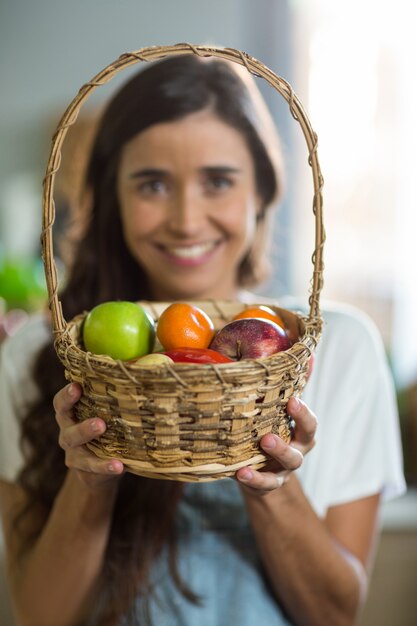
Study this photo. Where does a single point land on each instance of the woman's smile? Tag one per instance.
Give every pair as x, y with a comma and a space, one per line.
190, 255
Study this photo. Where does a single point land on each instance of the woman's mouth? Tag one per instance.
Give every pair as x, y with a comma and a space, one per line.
190, 255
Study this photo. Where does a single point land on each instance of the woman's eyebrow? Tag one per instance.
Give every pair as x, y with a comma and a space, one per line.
206, 169
147, 172
221, 169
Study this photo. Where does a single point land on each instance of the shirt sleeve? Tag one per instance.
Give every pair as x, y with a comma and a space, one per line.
17, 391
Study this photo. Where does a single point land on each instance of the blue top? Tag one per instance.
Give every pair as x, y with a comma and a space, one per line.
218, 560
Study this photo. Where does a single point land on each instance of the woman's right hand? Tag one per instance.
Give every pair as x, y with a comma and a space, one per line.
91, 470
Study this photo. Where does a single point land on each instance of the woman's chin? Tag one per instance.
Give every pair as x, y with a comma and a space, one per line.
211, 280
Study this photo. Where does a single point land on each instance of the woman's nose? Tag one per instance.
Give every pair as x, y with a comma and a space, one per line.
186, 212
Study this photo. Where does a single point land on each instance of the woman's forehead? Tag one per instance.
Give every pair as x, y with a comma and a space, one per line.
201, 134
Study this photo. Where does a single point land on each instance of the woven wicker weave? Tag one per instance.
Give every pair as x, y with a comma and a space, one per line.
183, 421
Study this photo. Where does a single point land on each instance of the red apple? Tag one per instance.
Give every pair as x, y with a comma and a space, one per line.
196, 355
250, 338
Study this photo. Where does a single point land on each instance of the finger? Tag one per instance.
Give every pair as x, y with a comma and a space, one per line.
305, 421
286, 454
261, 481
64, 402
81, 433
83, 460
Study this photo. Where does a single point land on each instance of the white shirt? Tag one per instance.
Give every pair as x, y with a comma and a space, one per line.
358, 446
358, 451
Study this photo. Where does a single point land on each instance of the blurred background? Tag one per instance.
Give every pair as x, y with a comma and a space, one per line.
352, 64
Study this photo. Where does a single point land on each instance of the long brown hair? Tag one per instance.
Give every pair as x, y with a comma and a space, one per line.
103, 269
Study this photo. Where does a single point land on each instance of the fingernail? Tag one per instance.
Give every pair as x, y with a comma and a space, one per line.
246, 475
71, 390
269, 441
97, 426
113, 467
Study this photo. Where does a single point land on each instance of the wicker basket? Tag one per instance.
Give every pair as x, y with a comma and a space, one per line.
182, 421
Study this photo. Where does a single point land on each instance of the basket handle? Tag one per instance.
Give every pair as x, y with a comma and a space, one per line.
154, 53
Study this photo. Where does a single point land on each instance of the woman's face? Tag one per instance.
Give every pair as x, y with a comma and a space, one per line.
189, 203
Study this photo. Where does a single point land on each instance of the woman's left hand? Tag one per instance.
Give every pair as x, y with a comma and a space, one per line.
285, 457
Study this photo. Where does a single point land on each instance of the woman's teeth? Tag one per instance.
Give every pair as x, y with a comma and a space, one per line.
191, 252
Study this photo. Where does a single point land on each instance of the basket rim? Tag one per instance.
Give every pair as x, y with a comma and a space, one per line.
68, 351
154, 53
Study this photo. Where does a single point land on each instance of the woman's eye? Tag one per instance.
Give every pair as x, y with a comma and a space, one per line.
152, 187
218, 183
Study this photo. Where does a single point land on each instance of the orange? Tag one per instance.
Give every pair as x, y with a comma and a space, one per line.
261, 311
183, 325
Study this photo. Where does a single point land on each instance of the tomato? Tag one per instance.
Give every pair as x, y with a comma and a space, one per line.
197, 355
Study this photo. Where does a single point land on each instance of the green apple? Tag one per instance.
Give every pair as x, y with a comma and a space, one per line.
120, 329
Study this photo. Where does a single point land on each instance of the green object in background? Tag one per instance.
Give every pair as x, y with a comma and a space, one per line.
22, 283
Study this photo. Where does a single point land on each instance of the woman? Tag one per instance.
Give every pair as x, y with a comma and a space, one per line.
182, 178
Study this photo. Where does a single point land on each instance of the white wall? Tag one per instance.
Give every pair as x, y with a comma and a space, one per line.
51, 47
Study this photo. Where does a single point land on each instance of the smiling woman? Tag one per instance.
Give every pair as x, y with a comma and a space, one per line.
182, 179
